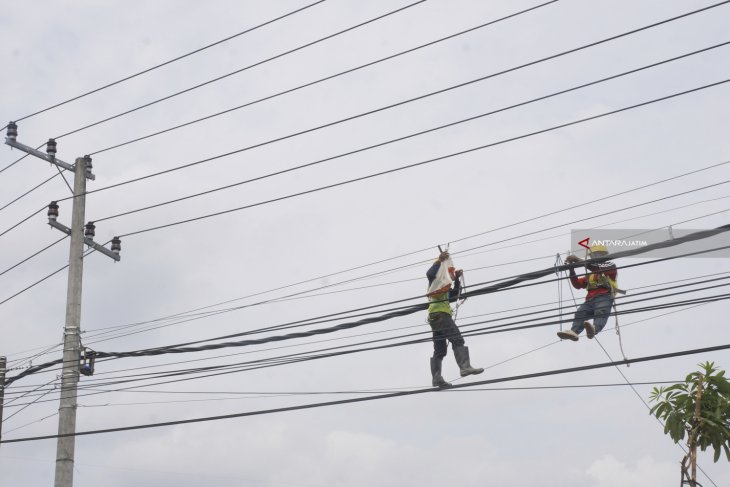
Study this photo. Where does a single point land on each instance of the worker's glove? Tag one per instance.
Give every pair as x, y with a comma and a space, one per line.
459, 273
571, 259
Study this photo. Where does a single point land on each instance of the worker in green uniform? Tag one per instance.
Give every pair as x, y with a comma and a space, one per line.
443, 326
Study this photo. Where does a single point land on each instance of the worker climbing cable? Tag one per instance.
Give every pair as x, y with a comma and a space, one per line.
600, 282
440, 293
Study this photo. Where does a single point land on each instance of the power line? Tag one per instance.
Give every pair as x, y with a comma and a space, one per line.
31, 256
305, 356
381, 144
23, 220
290, 51
178, 348
403, 311
31, 286
265, 395
496, 74
341, 73
127, 78
30, 190
216, 312
382, 396
507, 327
421, 163
411, 326
586, 203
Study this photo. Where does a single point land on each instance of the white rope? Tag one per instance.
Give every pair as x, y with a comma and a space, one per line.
558, 263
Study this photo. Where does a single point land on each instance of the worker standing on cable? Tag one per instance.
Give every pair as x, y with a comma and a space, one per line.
600, 281
440, 294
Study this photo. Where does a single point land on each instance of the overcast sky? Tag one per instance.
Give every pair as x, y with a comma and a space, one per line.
567, 437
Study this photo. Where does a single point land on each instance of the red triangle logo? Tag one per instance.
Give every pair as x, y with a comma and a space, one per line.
585, 242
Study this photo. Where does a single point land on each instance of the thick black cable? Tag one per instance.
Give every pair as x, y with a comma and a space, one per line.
410, 166
422, 306
381, 144
306, 85
532, 63
164, 325
511, 326
635, 322
429, 248
127, 78
412, 326
383, 396
310, 320
309, 355
305, 356
368, 307
200, 85
485, 330
216, 312
404, 311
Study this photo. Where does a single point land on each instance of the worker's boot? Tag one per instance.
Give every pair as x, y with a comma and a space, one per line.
438, 380
462, 359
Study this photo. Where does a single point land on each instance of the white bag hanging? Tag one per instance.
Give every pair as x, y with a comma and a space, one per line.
444, 278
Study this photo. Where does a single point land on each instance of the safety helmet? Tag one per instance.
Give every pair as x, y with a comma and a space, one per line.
598, 249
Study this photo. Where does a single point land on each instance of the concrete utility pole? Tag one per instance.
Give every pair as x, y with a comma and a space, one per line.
80, 234
3, 364
71, 334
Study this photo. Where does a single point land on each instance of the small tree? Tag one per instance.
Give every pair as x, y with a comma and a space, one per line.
699, 407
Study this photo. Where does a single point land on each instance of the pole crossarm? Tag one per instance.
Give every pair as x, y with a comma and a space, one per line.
46, 157
87, 240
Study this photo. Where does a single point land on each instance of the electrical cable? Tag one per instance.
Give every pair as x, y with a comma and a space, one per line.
302, 356
500, 241
35, 254
165, 63
0, 303
383, 396
310, 357
39, 281
184, 347
381, 144
32, 422
601, 199
414, 326
278, 299
29, 191
264, 395
421, 163
511, 324
23, 220
311, 83
14, 162
277, 56
586, 46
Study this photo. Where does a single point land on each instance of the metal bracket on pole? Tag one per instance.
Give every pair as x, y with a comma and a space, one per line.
87, 240
52, 159
12, 141
3, 364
